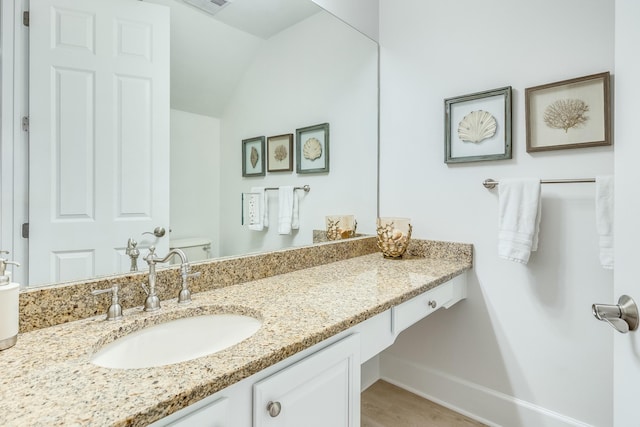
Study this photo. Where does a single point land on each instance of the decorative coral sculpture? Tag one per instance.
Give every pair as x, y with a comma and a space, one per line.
566, 114
392, 241
341, 227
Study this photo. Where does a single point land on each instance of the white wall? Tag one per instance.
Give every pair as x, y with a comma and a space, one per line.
361, 14
523, 349
318, 71
195, 177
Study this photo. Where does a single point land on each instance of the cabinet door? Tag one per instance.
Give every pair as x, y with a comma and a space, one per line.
321, 390
214, 414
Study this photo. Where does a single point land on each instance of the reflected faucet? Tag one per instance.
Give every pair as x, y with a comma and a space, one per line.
133, 252
152, 302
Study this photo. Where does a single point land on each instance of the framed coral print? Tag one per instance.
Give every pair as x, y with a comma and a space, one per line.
253, 157
478, 126
312, 149
571, 113
280, 153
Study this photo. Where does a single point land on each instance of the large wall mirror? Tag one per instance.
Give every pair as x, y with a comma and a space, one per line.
252, 68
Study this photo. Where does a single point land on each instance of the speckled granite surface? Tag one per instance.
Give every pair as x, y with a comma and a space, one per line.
48, 379
52, 305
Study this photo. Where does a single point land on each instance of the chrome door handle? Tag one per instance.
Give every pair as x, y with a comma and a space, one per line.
623, 317
158, 232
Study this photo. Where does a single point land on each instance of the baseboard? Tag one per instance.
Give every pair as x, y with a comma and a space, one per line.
473, 400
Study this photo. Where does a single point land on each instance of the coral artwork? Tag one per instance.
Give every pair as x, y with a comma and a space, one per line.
566, 114
280, 153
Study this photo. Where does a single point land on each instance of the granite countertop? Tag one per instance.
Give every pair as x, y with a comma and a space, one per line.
48, 379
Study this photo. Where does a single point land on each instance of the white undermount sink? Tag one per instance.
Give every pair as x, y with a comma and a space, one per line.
176, 341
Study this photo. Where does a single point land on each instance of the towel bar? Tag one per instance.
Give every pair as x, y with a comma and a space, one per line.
492, 183
306, 188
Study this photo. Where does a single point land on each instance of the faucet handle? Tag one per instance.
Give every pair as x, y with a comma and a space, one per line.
115, 309
184, 297
185, 271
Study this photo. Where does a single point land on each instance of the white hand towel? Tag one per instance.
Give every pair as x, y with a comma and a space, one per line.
263, 207
519, 218
604, 219
295, 215
286, 203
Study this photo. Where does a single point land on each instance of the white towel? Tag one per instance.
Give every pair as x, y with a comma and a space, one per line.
519, 218
295, 215
263, 207
604, 219
287, 210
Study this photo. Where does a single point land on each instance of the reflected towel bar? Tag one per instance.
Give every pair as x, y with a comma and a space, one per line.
306, 188
492, 183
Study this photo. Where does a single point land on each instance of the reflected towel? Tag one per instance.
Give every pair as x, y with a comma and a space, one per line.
519, 218
604, 219
263, 210
287, 210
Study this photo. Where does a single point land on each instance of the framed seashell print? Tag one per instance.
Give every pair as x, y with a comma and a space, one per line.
253, 157
280, 153
312, 149
571, 113
478, 126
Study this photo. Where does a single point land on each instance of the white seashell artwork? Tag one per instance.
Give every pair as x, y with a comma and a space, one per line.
312, 149
477, 126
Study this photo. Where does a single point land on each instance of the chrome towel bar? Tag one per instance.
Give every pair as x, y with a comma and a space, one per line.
492, 183
306, 188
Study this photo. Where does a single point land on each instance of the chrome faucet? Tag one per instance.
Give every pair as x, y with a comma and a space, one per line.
152, 302
133, 252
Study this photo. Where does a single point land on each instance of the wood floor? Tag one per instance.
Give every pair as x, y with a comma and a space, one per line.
385, 405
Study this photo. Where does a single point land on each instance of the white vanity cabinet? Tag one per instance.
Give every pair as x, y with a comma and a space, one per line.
214, 414
320, 390
319, 386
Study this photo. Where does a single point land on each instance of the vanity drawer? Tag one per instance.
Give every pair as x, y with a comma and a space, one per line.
410, 312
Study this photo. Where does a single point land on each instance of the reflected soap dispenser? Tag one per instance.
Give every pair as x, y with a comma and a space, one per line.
9, 294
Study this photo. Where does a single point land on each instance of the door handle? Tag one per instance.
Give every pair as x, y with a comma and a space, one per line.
623, 317
158, 232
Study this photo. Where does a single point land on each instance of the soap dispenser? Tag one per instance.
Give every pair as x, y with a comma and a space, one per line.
9, 293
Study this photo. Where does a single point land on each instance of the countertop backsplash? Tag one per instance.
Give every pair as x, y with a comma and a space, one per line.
66, 302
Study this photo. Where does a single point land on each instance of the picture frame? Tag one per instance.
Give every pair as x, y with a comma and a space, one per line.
253, 157
478, 126
312, 149
280, 153
572, 113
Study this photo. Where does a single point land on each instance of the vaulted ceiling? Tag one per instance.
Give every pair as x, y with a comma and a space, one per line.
209, 53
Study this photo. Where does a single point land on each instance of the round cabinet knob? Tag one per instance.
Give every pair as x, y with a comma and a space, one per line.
274, 408
432, 303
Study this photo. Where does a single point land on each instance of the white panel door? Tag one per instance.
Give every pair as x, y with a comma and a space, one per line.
99, 134
626, 368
